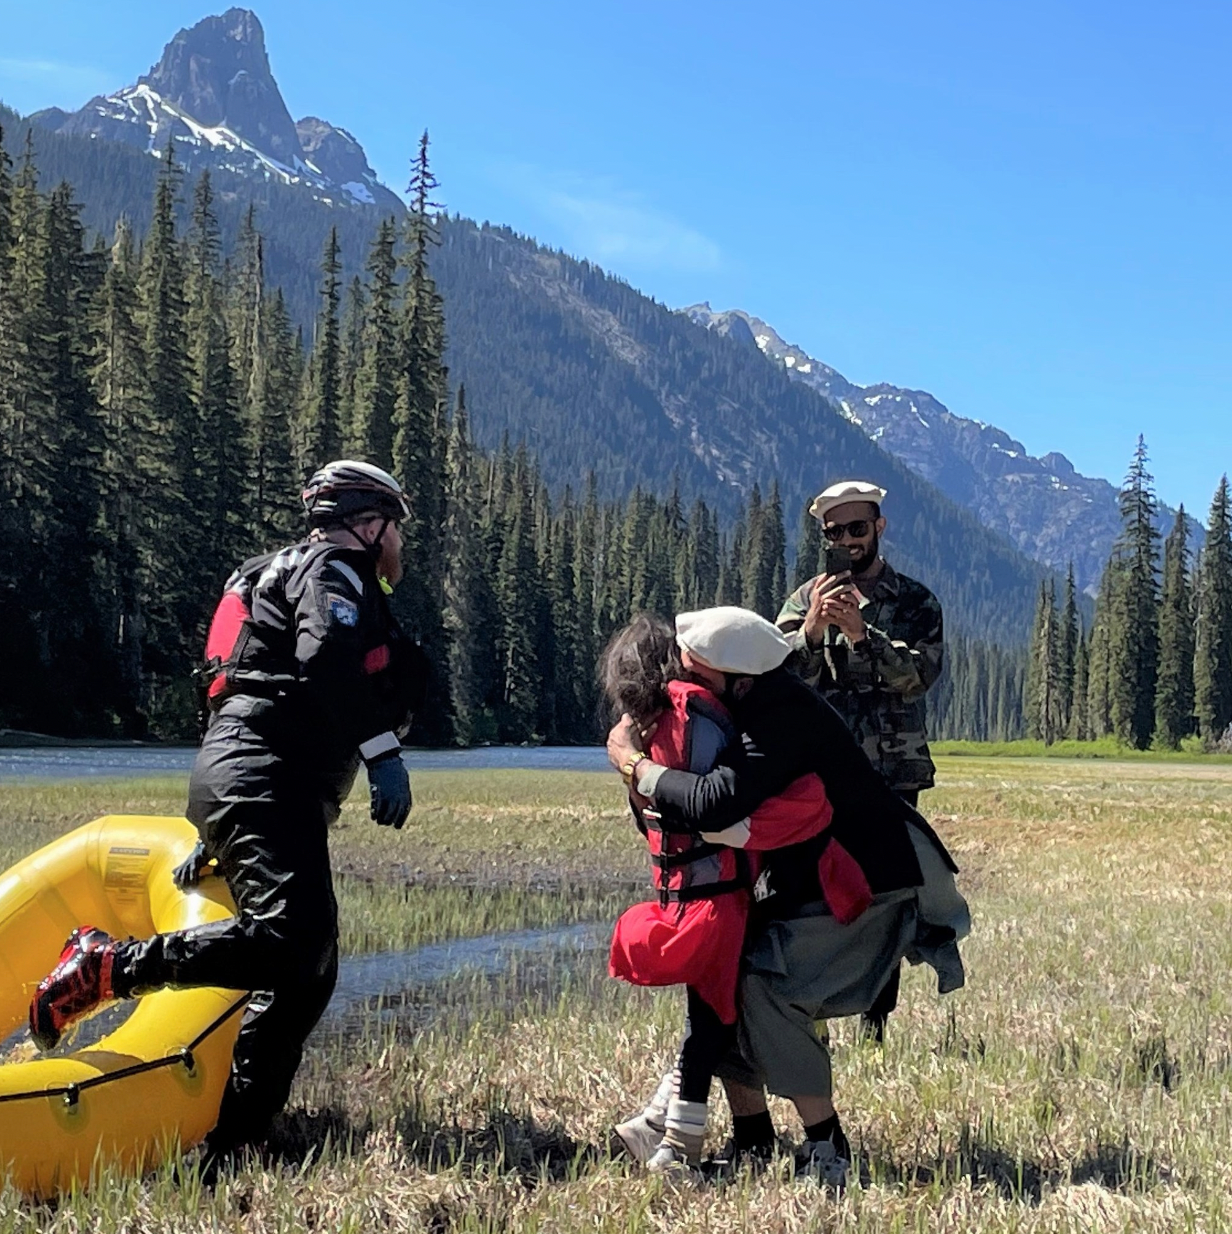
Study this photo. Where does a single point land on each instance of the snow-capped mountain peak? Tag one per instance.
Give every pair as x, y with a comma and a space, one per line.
213, 95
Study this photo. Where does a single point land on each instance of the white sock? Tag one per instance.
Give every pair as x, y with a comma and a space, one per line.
686, 1122
656, 1111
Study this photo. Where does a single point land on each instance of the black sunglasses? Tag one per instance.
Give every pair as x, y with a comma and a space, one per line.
857, 529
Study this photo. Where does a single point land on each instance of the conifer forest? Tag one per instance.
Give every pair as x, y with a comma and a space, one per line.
1155, 665
161, 406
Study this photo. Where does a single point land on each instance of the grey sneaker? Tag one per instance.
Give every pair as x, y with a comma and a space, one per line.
819, 1161
638, 1137
673, 1161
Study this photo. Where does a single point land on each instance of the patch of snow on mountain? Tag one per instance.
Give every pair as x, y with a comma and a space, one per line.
790, 361
804, 368
360, 192
762, 341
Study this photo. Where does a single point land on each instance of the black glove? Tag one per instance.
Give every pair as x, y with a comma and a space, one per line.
389, 790
188, 873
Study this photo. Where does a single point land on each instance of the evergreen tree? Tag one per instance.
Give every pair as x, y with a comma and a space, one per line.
1068, 637
764, 571
320, 437
808, 548
174, 622
752, 571
376, 383
467, 615
516, 586
1213, 660
218, 449
25, 397
1099, 658
418, 429
634, 586
247, 275
6, 210
72, 445
269, 411
1079, 728
127, 481
730, 588
584, 617
351, 354
572, 716
1174, 697
1043, 677
1134, 632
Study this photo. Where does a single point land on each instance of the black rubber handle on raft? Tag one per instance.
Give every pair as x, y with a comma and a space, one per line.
72, 1092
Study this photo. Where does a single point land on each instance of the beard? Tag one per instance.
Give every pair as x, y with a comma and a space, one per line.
389, 565
868, 557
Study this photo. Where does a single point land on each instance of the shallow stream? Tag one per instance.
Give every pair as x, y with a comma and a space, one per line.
403, 985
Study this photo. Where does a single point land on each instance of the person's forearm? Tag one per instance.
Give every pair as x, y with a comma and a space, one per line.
807, 661
705, 803
904, 670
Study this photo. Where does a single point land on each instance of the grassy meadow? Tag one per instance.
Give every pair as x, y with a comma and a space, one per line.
1080, 1082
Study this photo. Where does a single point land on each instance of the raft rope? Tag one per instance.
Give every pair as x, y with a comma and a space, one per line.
72, 1092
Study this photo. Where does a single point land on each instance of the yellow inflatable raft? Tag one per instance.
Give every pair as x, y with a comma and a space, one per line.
158, 1079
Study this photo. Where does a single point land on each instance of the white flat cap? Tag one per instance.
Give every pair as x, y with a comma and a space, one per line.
733, 640
841, 493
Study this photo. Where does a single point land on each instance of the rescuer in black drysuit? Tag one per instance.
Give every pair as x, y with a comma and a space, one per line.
308, 674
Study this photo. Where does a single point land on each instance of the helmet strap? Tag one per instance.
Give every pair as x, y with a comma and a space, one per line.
371, 547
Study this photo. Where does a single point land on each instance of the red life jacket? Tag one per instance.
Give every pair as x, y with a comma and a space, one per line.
684, 866
228, 626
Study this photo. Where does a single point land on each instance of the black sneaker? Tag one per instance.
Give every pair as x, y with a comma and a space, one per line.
734, 1160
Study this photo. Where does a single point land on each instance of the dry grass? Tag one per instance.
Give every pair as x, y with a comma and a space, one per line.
1080, 1082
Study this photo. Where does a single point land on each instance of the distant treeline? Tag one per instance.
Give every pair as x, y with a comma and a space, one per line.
1156, 665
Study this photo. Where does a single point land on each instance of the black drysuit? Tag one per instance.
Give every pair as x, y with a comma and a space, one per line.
319, 671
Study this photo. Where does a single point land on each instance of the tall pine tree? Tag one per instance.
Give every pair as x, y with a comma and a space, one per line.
1174, 696
1213, 661
1134, 642
320, 436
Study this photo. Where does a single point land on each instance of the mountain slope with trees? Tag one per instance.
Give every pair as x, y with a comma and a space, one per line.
1035, 503
591, 374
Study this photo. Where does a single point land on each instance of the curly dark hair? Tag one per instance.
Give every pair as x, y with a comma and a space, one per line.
636, 666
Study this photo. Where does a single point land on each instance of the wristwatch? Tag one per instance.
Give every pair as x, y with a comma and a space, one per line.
629, 768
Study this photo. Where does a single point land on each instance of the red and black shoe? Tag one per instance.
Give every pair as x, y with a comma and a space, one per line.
79, 984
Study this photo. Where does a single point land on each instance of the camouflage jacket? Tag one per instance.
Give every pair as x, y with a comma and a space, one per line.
878, 685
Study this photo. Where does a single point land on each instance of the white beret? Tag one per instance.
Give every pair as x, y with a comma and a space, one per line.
841, 493
733, 640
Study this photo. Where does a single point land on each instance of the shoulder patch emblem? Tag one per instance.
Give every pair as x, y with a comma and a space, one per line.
343, 611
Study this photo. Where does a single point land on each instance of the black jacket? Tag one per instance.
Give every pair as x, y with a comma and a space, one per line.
322, 644
789, 730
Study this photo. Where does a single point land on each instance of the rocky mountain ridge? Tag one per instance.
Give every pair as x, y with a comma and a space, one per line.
212, 93
1042, 505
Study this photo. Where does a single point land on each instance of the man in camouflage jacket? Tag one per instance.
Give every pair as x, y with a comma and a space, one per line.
871, 643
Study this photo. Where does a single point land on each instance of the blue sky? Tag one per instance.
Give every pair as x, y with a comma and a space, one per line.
1024, 209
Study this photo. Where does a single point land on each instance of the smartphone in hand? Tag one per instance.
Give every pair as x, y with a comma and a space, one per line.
837, 559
